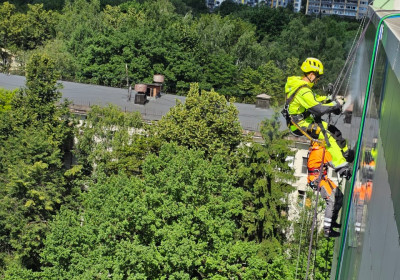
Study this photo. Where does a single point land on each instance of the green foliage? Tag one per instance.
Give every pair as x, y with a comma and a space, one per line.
280, 269
268, 79
239, 51
188, 197
112, 141
28, 30
64, 62
36, 138
298, 246
176, 223
264, 174
5, 99
33, 184
269, 22
41, 80
205, 121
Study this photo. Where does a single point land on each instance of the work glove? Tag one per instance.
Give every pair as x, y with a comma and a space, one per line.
340, 99
337, 109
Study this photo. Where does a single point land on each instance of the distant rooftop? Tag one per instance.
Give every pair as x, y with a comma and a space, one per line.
85, 95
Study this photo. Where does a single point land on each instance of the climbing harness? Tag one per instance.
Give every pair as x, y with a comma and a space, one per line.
294, 119
285, 111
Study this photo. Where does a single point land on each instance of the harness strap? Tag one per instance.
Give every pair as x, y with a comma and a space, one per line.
291, 119
290, 99
315, 171
324, 132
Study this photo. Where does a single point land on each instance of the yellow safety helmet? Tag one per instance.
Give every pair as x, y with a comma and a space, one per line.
312, 65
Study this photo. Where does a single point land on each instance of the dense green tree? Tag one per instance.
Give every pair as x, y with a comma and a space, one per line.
64, 61
297, 245
38, 26
188, 198
25, 30
218, 73
178, 222
35, 142
268, 79
264, 173
269, 22
38, 99
95, 42
205, 121
111, 141
8, 26
6, 97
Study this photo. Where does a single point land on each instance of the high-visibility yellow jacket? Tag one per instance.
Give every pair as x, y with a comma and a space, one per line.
306, 100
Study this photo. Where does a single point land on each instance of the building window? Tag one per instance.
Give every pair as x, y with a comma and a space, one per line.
304, 168
301, 198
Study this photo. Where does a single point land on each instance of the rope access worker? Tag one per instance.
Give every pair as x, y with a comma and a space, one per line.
332, 195
303, 112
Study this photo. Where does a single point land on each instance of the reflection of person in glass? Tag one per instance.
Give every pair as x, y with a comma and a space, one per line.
332, 195
363, 190
362, 194
369, 161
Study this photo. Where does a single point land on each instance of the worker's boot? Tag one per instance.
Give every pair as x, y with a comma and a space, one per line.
329, 232
349, 155
336, 225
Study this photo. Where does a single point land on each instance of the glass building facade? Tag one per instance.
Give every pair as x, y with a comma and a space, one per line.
369, 246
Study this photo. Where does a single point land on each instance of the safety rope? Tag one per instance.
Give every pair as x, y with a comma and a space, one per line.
315, 248
354, 56
339, 81
350, 54
351, 58
326, 258
320, 142
300, 239
315, 210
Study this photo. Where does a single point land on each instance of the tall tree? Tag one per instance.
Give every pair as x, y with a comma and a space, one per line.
205, 121
264, 173
112, 141
35, 140
178, 222
42, 88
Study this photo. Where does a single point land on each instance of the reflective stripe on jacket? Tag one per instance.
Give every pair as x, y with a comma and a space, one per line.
305, 99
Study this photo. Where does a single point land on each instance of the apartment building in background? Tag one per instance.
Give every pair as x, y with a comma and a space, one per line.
346, 8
